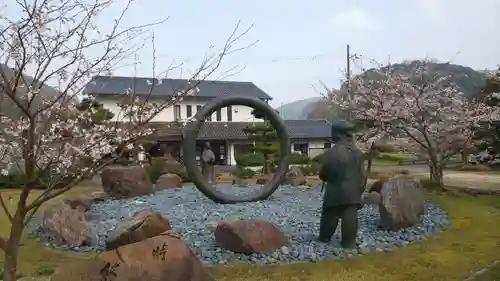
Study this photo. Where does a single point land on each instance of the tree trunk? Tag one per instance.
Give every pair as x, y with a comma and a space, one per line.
436, 175
266, 164
465, 156
12, 249
371, 153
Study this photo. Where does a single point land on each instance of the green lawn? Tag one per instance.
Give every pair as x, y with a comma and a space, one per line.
380, 162
471, 243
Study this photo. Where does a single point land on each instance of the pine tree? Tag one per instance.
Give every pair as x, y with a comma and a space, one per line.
264, 137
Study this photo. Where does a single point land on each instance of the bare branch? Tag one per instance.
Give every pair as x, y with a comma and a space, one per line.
5, 209
3, 243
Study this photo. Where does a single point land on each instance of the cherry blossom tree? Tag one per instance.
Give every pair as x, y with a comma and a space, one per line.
367, 107
46, 139
487, 137
426, 107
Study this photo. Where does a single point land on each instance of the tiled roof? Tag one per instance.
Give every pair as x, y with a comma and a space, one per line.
101, 85
297, 129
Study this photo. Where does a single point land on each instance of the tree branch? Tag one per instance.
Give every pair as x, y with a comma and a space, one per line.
5, 209
3, 243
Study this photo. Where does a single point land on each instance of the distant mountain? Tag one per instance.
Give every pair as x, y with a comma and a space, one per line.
469, 81
297, 110
7, 106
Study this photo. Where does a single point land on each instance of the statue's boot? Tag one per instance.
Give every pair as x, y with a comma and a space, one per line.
328, 224
349, 227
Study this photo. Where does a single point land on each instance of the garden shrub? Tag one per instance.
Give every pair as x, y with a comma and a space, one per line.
181, 171
319, 158
389, 157
316, 167
242, 172
387, 148
9, 181
155, 169
250, 160
42, 179
299, 159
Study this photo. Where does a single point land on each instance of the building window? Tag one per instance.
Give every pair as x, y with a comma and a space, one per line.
177, 112
198, 107
189, 111
229, 113
301, 148
327, 145
219, 115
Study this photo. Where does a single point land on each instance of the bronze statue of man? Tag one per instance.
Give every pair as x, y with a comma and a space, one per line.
344, 172
207, 163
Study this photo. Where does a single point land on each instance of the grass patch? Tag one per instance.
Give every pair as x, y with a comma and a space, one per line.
33, 256
383, 162
471, 243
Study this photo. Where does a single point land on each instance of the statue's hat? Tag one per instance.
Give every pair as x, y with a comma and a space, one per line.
342, 127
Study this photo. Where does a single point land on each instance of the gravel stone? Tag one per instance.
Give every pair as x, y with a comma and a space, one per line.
294, 211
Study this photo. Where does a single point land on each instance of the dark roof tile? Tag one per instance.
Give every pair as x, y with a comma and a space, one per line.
101, 85
297, 129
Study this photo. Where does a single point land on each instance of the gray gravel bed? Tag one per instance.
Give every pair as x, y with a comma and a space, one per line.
293, 210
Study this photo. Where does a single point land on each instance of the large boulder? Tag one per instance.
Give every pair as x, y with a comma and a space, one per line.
402, 203
126, 181
249, 236
66, 226
81, 202
170, 164
164, 257
295, 177
167, 181
376, 186
142, 225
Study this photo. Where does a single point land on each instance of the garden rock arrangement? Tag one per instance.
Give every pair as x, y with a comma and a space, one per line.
402, 203
126, 181
282, 228
168, 181
249, 236
162, 257
141, 226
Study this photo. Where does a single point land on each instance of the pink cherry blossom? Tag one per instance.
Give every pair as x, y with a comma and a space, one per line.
427, 109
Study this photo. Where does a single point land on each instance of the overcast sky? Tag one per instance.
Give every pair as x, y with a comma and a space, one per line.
302, 42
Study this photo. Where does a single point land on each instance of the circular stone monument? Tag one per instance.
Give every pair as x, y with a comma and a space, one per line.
189, 147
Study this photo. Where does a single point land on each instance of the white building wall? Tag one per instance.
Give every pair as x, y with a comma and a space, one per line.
315, 147
240, 113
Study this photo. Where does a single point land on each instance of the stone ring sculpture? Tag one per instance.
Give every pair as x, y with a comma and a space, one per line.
192, 129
